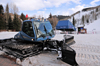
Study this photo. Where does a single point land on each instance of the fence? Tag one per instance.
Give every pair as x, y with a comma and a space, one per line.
93, 32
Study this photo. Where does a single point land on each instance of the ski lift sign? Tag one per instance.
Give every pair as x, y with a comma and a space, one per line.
70, 26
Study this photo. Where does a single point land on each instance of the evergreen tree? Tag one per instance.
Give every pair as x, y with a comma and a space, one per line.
7, 11
96, 9
87, 21
2, 20
95, 17
16, 23
7, 15
73, 21
83, 19
1, 9
19, 25
10, 24
22, 16
50, 16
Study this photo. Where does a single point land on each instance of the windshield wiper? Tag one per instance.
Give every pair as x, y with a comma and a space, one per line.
45, 29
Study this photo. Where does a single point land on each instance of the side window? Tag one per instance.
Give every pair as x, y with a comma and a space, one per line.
28, 29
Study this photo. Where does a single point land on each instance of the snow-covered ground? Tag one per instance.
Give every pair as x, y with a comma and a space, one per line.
87, 48
4, 35
87, 51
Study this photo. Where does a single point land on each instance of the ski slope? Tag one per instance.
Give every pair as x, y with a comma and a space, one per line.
93, 27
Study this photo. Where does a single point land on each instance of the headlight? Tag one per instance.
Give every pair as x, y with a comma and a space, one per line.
32, 39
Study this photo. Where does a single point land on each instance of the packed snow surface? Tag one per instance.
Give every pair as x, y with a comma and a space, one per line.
6, 35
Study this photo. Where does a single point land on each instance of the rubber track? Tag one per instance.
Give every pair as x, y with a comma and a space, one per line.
20, 49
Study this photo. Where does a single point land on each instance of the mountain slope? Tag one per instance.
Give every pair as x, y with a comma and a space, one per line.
86, 16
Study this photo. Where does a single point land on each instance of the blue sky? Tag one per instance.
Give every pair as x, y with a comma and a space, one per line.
45, 7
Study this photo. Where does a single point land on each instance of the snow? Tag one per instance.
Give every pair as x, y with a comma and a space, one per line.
79, 15
93, 27
6, 34
80, 26
57, 31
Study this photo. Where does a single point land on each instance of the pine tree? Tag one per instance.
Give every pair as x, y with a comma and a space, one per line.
7, 13
50, 16
22, 16
2, 20
1, 10
19, 24
1, 27
83, 19
87, 21
73, 21
95, 17
96, 9
16, 23
10, 24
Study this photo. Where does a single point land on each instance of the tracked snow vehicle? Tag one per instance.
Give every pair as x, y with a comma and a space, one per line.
35, 37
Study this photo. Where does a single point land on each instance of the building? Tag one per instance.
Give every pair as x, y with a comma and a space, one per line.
81, 29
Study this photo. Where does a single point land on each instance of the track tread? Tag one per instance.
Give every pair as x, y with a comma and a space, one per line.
21, 49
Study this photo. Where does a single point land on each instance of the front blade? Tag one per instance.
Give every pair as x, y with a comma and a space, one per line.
68, 55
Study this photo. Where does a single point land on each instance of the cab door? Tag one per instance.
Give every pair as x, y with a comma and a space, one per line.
27, 31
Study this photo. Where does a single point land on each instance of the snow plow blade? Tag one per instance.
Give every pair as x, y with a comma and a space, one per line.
68, 55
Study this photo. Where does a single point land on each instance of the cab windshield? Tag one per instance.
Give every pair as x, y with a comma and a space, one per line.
43, 29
